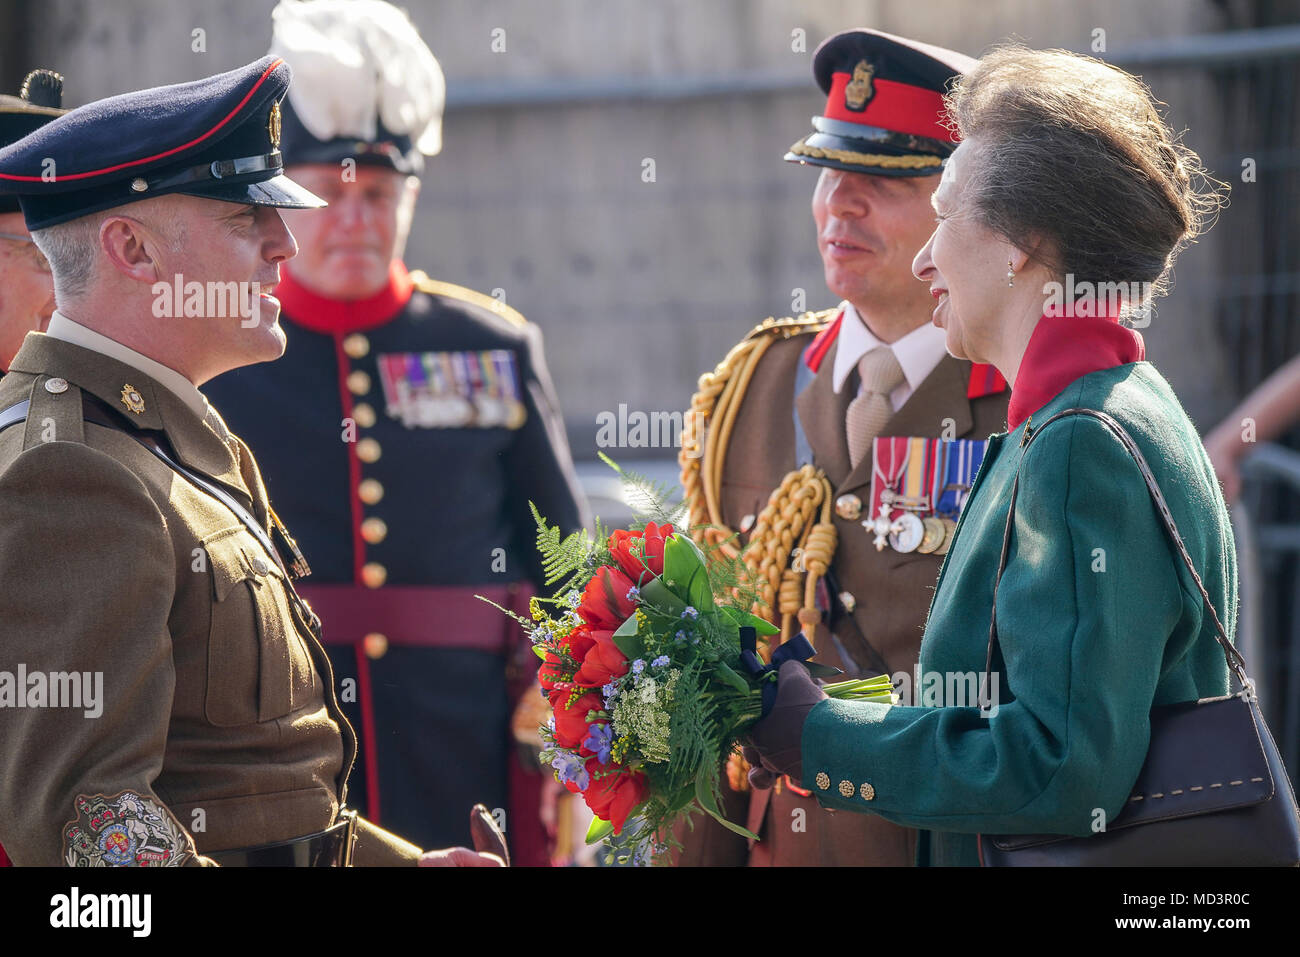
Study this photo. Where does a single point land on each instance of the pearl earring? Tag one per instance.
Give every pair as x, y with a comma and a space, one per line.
1011, 274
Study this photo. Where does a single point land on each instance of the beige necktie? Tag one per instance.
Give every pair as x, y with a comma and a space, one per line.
868, 413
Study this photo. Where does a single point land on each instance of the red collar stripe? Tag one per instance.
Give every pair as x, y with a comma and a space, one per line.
818, 348
899, 107
984, 380
157, 156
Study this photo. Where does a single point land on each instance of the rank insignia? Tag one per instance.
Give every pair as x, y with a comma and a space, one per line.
859, 90
132, 399
125, 830
453, 390
273, 125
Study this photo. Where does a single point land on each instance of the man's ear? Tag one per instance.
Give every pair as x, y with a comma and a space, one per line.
131, 247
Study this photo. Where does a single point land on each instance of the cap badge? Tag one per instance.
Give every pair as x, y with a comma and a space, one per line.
859, 89
273, 125
132, 399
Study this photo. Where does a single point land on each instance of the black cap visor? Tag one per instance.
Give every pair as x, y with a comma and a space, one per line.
867, 149
278, 191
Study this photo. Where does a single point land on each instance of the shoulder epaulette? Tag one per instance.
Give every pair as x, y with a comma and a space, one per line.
784, 328
436, 287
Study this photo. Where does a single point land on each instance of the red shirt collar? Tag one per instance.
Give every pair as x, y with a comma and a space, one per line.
1061, 349
315, 312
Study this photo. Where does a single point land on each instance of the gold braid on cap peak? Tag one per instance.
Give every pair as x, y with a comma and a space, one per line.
881, 160
793, 538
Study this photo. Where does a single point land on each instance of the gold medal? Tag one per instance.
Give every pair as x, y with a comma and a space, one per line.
949, 527
933, 536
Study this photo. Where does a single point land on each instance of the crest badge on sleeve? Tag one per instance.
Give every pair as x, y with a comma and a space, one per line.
125, 830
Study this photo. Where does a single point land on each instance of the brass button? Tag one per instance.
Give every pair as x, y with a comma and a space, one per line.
356, 345
56, 386
847, 789
368, 450
374, 530
370, 491
373, 575
867, 792
848, 507
259, 565
375, 644
364, 415
823, 781
848, 601
358, 382
747, 522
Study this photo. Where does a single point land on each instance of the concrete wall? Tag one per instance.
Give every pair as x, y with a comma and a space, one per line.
641, 286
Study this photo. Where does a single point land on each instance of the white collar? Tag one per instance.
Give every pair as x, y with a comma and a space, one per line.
61, 327
917, 353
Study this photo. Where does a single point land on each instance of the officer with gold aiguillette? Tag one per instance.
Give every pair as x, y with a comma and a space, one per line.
840, 444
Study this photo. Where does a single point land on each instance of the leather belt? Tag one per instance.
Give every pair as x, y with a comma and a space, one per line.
331, 847
424, 616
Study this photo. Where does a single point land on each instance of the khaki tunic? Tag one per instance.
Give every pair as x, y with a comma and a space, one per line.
218, 726
892, 590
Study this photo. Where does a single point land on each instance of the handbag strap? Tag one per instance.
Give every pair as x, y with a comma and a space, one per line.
1236, 663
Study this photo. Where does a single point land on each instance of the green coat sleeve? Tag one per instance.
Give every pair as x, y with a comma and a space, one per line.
1084, 650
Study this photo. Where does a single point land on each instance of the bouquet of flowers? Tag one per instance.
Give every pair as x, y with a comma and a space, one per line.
650, 668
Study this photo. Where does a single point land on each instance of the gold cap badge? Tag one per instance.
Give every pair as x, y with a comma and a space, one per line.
132, 399
859, 89
273, 126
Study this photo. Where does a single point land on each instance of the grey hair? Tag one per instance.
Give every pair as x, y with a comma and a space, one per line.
70, 248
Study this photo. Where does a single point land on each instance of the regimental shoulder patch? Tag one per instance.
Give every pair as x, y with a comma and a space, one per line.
436, 287
125, 830
784, 328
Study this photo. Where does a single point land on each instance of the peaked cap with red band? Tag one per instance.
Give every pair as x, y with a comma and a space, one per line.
884, 110
217, 138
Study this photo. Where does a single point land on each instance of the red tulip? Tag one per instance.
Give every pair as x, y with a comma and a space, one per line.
614, 796
605, 601
604, 662
571, 722
647, 553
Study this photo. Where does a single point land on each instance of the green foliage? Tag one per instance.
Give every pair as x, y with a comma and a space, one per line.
575, 556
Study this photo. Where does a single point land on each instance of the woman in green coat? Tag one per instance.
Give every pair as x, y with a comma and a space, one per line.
1059, 214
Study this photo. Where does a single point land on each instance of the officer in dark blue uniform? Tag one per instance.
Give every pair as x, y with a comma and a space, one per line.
403, 435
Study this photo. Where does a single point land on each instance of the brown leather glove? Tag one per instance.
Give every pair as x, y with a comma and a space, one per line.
775, 744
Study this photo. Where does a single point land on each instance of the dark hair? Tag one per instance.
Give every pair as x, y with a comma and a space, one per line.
1075, 152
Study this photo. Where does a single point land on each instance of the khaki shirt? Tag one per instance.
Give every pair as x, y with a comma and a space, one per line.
160, 699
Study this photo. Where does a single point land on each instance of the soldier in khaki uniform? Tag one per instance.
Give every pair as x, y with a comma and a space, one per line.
793, 417
169, 702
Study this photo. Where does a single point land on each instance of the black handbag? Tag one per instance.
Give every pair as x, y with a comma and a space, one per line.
1213, 790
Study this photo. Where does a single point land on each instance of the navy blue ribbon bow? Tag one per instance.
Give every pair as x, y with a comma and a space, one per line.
798, 648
